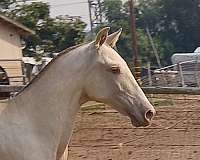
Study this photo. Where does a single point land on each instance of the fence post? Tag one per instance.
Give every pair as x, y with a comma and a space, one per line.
149, 74
197, 72
181, 74
23, 72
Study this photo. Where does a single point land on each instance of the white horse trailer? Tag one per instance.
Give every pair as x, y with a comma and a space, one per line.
190, 66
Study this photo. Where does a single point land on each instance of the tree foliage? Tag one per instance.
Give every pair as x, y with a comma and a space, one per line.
117, 15
175, 21
173, 24
5, 4
52, 34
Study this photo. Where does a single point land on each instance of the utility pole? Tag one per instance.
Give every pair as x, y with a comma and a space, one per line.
155, 51
95, 13
90, 15
136, 58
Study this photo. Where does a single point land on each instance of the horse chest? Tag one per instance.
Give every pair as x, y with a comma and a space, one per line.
18, 141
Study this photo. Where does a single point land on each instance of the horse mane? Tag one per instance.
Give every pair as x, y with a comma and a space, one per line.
65, 51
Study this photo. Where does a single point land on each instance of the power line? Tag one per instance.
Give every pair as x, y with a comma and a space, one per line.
68, 4
23, 0
136, 57
95, 13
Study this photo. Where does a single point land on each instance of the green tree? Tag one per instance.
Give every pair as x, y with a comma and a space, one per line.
5, 4
173, 24
117, 15
175, 21
52, 34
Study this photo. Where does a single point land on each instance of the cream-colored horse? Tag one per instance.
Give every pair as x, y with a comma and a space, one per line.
37, 123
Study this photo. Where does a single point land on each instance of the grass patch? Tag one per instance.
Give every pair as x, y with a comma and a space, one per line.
163, 103
93, 107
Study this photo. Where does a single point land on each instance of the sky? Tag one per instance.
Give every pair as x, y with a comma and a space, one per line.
70, 7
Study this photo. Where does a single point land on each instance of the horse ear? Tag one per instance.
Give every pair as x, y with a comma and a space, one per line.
113, 38
101, 37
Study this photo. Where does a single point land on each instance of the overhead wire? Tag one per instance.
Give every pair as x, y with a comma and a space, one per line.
68, 4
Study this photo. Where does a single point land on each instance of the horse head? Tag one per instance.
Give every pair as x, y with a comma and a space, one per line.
110, 81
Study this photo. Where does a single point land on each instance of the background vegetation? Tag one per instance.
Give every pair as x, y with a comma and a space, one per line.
173, 24
52, 34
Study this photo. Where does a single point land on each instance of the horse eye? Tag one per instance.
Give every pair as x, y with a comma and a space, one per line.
115, 69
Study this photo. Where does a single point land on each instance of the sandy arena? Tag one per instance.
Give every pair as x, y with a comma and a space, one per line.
101, 133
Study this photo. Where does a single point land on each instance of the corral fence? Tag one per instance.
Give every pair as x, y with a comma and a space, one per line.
12, 76
15, 71
181, 78
183, 74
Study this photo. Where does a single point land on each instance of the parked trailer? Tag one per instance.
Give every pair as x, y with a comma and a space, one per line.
183, 57
190, 65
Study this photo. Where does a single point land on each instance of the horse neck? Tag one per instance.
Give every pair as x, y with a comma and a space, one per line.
57, 93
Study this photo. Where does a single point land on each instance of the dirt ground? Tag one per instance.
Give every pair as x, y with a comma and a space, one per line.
101, 133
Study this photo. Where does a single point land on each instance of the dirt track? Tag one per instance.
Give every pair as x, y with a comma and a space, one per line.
103, 134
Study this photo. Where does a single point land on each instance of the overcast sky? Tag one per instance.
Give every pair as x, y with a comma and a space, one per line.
70, 7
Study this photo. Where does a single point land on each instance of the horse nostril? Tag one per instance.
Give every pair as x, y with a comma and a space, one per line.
149, 115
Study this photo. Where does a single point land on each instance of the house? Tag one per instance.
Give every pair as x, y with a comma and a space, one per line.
11, 35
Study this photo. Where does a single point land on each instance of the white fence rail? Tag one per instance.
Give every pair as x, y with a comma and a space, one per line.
184, 74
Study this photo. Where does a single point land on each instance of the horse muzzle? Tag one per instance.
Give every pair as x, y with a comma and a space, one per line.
143, 120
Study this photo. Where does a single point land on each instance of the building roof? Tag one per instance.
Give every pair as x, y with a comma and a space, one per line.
24, 31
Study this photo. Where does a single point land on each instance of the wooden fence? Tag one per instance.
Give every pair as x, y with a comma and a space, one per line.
15, 70
147, 90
